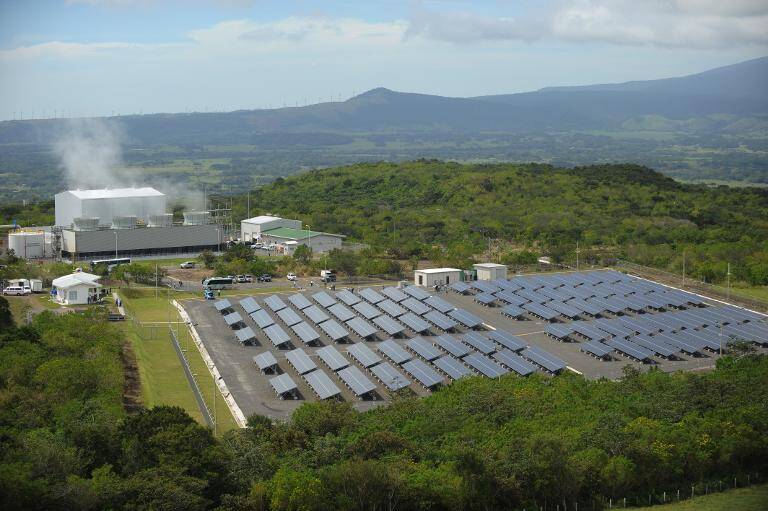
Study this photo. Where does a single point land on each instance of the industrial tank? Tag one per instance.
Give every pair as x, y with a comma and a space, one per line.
28, 245
197, 217
165, 220
124, 222
86, 223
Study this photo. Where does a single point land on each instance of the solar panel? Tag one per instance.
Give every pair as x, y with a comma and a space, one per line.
558, 331
590, 332
306, 333
323, 299
265, 360
514, 361
439, 304
423, 373
371, 295
415, 306
391, 308
262, 318
595, 348
321, 384
222, 305
460, 287
630, 349
390, 377
357, 382
564, 309
512, 311
479, 342
541, 311
511, 298
657, 346
332, 358
394, 351
421, 347
452, 346
289, 317
347, 296
277, 335
367, 310
389, 325
233, 318
394, 294
452, 367
249, 305
485, 287
363, 354
509, 341
334, 330
416, 292
555, 294
588, 307
485, 298
341, 312
684, 345
414, 322
283, 384
300, 361
361, 327
466, 318
245, 335
485, 365
441, 321
275, 303
300, 301
531, 295
314, 313
543, 359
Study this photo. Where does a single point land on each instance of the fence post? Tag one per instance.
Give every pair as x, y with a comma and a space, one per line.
664, 497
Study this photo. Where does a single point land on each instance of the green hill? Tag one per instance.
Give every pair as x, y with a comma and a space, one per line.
611, 210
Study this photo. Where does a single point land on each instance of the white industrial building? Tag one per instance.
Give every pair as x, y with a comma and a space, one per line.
436, 276
251, 228
30, 243
287, 234
76, 289
490, 271
109, 206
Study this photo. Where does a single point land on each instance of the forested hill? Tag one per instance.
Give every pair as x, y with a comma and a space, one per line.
621, 210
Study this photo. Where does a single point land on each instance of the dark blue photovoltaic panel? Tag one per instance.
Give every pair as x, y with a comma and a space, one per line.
514, 361
512, 311
249, 305
595, 348
262, 318
415, 306
332, 358
466, 318
540, 311
323, 299
558, 330
394, 351
366, 310
341, 312
423, 348
657, 346
389, 325
222, 305
423, 373
245, 335
357, 382
321, 384
479, 342
441, 321
511, 298
460, 287
452, 346
300, 361
485, 365
414, 322
416, 292
452, 367
371, 295
391, 308
277, 335
334, 330
275, 303
361, 327
485, 287
630, 349
347, 296
394, 294
485, 298
509, 341
265, 360
289, 317
314, 313
543, 358
363, 354
233, 318
389, 376
439, 304
300, 301
283, 384
306, 333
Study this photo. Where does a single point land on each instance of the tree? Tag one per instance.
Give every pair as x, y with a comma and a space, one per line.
303, 254
207, 258
6, 318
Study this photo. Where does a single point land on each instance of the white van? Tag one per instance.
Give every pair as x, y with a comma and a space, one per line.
17, 290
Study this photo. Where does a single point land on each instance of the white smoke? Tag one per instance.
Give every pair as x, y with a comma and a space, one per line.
90, 153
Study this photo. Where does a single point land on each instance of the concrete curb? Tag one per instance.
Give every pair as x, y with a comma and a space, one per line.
237, 413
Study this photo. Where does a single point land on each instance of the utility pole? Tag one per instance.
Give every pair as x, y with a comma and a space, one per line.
115, 243
249, 205
728, 277
577, 256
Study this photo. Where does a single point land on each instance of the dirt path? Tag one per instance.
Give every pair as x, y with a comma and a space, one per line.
132, 385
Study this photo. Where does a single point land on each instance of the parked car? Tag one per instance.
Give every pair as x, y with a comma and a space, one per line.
233, 278
265, 278
241, 279
291, 276
256, 245
208, 294
248, 277
17, 290
187, 265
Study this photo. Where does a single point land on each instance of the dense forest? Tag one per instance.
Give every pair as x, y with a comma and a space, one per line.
513, 443
448, 212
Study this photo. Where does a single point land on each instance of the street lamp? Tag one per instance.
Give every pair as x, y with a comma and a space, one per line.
115, 243
309, 229
218, 240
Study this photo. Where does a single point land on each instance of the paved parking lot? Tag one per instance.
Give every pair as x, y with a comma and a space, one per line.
253, 393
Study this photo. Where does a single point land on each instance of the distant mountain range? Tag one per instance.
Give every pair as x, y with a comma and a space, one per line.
738, 89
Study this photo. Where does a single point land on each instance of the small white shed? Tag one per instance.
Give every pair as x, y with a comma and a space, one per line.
490, 271
76, 289
431, 277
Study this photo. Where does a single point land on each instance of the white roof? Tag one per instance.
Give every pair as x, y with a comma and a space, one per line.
261, 219
76, 279
489, 265
110, 193
439, 270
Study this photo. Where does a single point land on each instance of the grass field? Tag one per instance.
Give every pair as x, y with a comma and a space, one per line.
162, 375
754, 498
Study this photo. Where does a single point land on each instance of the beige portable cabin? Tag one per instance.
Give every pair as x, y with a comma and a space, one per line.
490, 271
436, 276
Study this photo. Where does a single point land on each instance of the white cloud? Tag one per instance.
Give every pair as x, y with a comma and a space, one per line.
63, 50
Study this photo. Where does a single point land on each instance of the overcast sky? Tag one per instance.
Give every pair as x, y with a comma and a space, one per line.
98, 57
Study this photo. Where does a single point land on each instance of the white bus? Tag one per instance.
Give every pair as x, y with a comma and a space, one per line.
110, 263
216, 282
